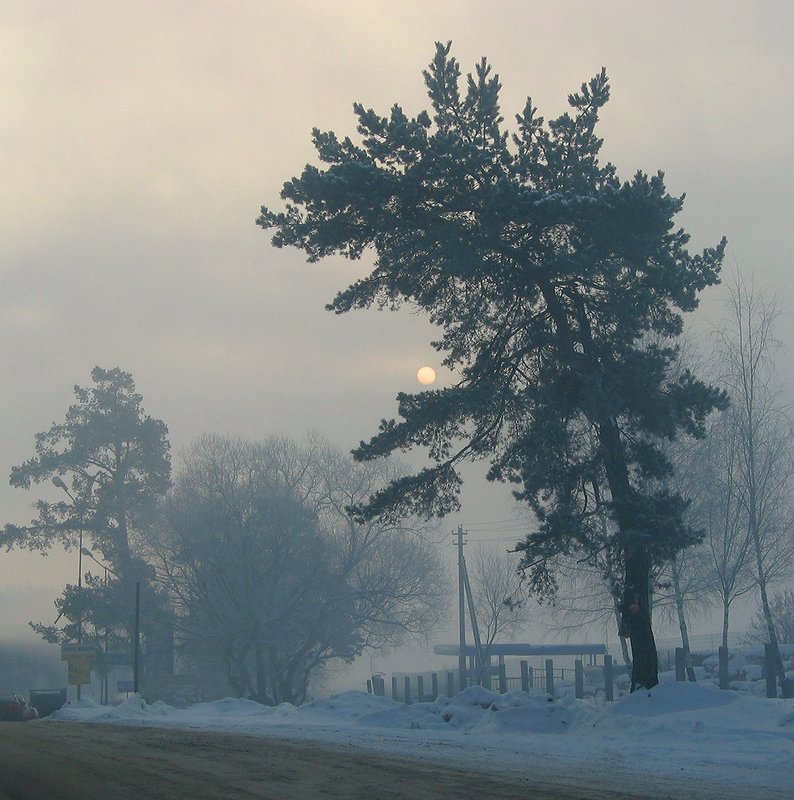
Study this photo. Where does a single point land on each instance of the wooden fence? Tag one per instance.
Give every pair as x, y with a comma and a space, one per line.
426, 687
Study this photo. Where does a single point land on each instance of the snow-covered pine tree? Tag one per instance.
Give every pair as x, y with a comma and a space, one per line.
544, 273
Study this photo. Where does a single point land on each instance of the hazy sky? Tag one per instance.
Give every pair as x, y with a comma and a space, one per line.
141, 138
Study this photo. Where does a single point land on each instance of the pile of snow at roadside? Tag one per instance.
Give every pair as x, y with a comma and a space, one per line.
474, 710
694, 711
673, 730
478, 710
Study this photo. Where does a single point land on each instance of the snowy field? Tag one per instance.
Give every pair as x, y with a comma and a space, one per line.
676, 732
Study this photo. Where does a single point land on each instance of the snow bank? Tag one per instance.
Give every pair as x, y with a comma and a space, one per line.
694, 729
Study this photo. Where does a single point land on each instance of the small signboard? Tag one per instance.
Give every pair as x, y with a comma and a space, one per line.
79, 670
69, 649
125, 686
81, 659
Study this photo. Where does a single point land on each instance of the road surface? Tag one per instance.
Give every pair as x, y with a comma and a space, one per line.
65, 760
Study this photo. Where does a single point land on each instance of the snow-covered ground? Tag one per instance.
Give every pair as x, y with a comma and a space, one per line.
676, 731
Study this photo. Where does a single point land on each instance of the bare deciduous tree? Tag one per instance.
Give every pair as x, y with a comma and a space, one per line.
496, 588
718, 509
764, 464
588, 594
782, 607
273, 577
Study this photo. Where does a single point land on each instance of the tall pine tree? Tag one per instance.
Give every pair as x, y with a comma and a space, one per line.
112, 461
558, 290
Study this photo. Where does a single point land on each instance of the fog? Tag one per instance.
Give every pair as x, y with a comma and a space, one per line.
140, 140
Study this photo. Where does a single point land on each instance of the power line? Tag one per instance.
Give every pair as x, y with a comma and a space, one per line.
498, 523
499, 529
505, 540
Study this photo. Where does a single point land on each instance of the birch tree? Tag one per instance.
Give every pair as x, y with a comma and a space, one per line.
764, 474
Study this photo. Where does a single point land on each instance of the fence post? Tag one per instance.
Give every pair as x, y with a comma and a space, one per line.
531, 675
450, 684
420, 688
502, 676
369, 686
609, 689
578, 678
408, 689
550, 676
434, 684
723, 668
680, 664
769, 671
394, 693
524, 676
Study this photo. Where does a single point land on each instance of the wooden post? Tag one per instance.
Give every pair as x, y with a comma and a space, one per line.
578, 678
450, 684
502, 676
723, 668
524, 676
434, 680
550, 676
420, 688
609, 690
531, 672
369, 686
680, 664
769, 671
408, 690
394, 688
136, 644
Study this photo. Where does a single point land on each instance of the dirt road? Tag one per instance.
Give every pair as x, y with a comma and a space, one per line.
64, 760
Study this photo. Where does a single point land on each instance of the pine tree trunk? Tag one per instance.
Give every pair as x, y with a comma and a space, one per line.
636, 612
636, 608
637, 620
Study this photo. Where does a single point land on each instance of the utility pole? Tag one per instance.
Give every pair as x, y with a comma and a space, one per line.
484, 676
461, 608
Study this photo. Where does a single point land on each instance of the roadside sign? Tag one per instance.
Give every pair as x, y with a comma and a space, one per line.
79, 670
125, 686
74, 649
81, 658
